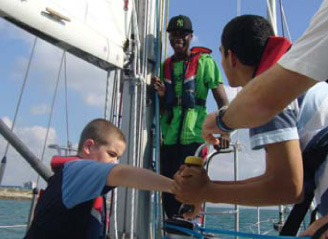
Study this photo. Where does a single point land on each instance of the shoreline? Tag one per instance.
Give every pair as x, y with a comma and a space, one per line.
17, 194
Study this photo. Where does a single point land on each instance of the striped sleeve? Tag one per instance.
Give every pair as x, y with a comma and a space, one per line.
282, 127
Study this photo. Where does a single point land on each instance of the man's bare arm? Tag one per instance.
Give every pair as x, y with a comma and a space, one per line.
265, 96
280, 184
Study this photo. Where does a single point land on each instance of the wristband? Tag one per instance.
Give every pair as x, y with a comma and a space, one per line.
219, 123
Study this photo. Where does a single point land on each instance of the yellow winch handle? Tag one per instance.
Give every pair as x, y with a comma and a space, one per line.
194, 160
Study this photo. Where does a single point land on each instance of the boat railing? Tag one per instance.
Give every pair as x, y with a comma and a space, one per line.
233, 148
13, 226
256, 226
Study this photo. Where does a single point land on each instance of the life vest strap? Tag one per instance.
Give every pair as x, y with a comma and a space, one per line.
198, 101
313, 157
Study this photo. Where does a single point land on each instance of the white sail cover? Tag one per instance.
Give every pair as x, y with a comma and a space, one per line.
94, 30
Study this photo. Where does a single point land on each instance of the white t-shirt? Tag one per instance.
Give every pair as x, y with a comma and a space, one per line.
309, 54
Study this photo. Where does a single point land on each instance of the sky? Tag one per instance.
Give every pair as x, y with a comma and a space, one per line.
86, 84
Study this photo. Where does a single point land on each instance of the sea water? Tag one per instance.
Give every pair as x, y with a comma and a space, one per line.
15, 212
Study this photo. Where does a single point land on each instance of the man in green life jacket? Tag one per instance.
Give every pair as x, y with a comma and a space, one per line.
186, 77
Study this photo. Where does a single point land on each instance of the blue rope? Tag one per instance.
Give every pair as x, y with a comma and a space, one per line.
157, 145
226, 232
186, 231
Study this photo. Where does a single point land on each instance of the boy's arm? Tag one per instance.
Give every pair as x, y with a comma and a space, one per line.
280, 184
140, 178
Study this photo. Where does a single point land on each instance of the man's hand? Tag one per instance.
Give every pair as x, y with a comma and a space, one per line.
224, 141
190, 184
210, 128
194, 213
315, 226
158, 86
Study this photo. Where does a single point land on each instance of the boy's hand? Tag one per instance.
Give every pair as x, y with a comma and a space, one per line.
190, 184
158, 86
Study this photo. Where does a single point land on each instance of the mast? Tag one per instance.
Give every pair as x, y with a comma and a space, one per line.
134, 207
272, 15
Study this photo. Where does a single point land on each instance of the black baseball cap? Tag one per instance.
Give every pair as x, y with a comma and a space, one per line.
180, 23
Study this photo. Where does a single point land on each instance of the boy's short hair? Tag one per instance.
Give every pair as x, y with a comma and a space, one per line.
99, 130
246, 37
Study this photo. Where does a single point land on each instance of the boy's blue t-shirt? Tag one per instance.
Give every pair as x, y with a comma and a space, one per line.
84, 180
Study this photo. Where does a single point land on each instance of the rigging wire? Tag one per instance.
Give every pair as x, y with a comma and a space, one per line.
167, 11
51, 112
4, 159
285, 22
114, 120
107, 94
157, 122
281, 19
134, 122
238, 7
69, 144
140, 72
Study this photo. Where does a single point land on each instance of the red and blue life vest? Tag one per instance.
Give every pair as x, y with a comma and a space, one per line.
98, 210
274, 49
52, 219
190, 65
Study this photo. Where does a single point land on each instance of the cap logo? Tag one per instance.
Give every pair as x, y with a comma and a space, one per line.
180, 23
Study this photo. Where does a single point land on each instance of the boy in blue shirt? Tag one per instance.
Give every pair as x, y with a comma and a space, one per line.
73, 205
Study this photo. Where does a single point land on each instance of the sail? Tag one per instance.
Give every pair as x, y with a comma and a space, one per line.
94, 30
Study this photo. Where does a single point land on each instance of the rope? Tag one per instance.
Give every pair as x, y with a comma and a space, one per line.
198, 233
